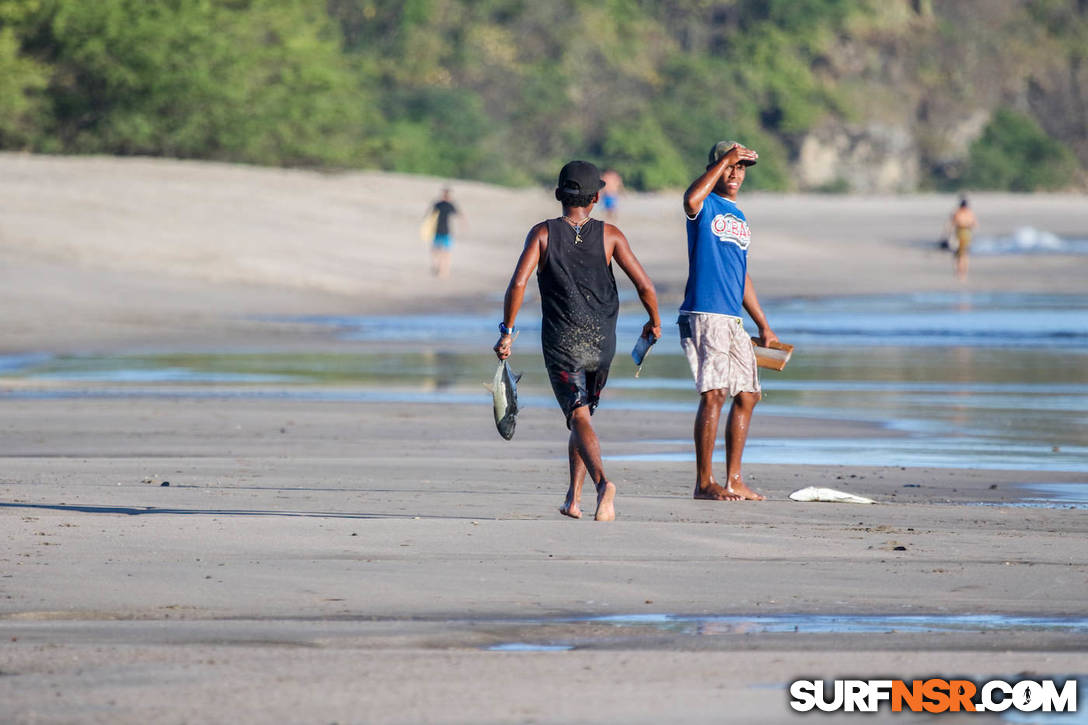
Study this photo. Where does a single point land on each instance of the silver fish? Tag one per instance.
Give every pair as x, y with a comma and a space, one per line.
504, 393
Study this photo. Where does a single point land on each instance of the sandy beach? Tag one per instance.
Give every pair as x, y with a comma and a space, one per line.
194, 553
105, 253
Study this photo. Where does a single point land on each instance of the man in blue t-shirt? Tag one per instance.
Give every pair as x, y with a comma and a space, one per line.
711, 329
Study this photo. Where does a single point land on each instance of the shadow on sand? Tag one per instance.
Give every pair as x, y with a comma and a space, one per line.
142, 510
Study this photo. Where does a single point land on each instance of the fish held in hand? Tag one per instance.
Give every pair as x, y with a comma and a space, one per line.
504, 393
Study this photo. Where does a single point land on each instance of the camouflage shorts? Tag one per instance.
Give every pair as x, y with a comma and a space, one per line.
719, 352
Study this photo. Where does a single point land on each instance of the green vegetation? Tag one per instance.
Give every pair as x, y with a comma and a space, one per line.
499, 90
1015, 153
258, 81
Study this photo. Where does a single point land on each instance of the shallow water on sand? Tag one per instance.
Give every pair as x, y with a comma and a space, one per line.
1053, 495
570, 633
924, 319
971, 380
943, 407
843, 624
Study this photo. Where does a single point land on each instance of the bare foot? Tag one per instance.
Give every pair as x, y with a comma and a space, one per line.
570, 506
714, 492
739, 488
606, 495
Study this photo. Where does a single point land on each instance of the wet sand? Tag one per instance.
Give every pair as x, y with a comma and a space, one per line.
354, 562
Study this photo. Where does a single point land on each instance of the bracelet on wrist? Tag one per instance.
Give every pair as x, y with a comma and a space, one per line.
504, 330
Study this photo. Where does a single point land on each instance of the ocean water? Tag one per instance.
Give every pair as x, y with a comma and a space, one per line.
958, 380
1027, 240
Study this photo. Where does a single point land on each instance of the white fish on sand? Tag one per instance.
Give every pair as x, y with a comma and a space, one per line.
828, 495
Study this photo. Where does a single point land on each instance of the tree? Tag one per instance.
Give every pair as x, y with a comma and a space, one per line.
21, 83
1015, 154
249, 80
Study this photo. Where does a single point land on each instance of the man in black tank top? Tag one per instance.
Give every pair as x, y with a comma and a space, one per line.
572, 256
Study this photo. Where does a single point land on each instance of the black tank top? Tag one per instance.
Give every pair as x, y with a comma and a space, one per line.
578, 299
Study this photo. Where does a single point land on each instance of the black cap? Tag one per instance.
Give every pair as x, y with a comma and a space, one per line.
581, 178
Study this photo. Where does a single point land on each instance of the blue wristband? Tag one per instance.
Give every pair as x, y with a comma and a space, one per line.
504, 330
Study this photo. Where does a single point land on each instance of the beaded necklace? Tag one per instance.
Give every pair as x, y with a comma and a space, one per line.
577, 227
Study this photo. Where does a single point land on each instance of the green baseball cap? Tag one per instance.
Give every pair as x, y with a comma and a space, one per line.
721, 149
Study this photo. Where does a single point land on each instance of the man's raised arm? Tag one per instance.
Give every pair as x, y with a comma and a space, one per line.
702, 186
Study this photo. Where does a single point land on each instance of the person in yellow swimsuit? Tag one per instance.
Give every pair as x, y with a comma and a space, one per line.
963, 224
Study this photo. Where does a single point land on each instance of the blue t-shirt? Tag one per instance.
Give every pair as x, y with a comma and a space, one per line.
718, 239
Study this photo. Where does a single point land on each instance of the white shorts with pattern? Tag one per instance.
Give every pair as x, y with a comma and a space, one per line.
720, 353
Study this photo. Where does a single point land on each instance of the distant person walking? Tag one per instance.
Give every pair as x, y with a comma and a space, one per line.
610, 194
963, 225
442, 240
712, 333
572, 257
